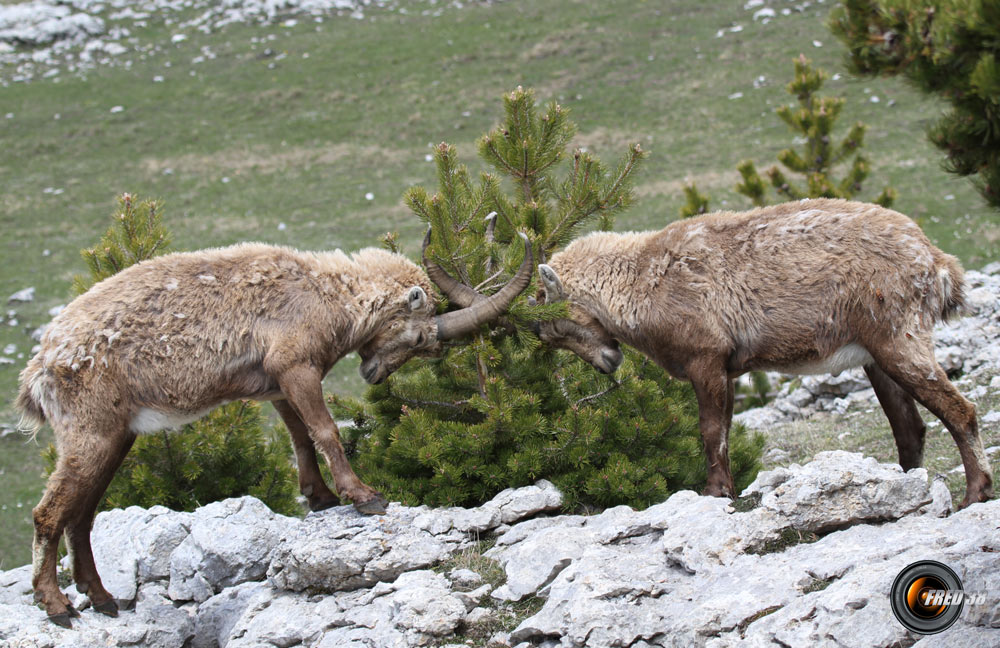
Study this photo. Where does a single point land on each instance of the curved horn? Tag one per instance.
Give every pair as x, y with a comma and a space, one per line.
456, 291
462, 322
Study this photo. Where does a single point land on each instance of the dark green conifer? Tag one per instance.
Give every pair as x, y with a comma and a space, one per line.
946, 48
501, 410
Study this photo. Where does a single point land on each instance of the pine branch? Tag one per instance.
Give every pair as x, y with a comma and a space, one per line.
616, 384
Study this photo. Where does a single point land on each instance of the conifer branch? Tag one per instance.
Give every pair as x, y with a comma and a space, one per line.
615, 385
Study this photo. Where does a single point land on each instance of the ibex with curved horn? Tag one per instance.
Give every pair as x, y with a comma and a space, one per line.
805, 287
165, 341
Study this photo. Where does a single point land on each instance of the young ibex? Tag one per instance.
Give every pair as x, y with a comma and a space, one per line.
165, 341
806, 287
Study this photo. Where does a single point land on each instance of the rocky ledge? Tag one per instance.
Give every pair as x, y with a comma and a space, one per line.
805, 558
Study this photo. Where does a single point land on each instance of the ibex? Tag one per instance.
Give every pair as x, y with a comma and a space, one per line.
805, 287
165, 341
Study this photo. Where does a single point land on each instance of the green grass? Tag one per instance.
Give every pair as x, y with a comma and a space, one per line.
237, 144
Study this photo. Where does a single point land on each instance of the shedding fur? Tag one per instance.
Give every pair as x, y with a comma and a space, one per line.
166, 340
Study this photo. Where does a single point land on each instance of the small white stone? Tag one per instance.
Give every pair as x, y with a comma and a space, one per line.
23, 295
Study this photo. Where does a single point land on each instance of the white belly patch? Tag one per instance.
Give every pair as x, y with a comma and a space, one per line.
846, 357
147, 420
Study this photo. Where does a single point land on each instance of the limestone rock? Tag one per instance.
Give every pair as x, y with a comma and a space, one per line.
840, 488
229, 543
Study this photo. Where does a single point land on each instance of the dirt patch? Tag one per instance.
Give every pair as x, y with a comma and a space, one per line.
567, 42
263, 160
608, 143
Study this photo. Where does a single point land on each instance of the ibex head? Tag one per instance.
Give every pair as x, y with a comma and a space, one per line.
581, 332
417, 330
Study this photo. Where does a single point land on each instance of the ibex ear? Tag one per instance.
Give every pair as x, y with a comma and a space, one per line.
553, 287
416, 298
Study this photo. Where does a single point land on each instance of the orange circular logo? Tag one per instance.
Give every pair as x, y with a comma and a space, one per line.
927, 597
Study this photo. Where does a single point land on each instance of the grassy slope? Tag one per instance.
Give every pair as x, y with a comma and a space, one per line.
236, 147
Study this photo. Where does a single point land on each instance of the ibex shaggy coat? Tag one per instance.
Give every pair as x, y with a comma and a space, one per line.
164, 341
813, 286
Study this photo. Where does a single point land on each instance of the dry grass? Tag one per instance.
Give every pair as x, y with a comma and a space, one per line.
261, 160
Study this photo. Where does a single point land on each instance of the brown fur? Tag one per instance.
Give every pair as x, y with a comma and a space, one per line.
166, 340
784, 288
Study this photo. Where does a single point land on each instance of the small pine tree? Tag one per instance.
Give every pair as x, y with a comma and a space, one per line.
813, 120
137, 234
225, 454
695, 203
950, 49
500, 410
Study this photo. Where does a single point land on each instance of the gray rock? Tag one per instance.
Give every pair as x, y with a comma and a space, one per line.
760, 418
518, 503
416, 609
686, 517
133, 546
840, 488
229, 543
15, 586
615, 595
941, 502
339, 549
217, 616
691, 571
274, 618
535, 561
27, 294
166, 624
465, 578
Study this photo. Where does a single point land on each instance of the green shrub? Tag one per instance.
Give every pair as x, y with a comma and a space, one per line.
501, 410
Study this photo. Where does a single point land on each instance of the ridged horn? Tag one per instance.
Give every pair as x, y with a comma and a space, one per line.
456, 291
462, 322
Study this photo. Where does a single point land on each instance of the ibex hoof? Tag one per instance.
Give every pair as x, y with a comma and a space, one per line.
321, 504
375, 506
109, 608
63, 619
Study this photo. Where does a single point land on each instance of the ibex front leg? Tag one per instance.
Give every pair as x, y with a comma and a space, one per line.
713, 389
311, 482
303, 389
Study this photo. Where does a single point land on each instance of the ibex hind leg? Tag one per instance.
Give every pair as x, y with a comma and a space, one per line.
714, 391
904, 419
910, 362
88, 581
82, 463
